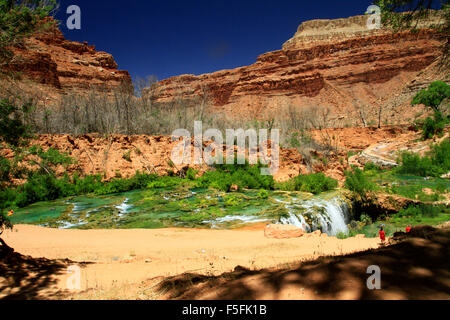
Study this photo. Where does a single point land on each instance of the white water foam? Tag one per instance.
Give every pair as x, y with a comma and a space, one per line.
124, 207
332, 221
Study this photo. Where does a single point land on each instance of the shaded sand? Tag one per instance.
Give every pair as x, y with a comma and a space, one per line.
116, 263
416, 267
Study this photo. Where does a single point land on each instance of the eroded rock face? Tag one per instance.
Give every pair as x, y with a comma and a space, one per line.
51, 60
331, 63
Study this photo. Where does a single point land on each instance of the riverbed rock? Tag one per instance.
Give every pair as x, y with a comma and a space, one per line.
279, 231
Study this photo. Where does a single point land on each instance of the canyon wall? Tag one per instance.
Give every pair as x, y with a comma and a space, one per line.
338, 64
58, 66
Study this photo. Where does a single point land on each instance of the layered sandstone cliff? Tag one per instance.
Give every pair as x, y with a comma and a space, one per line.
336, 64
61, 66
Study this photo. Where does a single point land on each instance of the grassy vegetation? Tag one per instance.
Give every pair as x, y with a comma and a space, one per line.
312, 183
436, 163
245, 176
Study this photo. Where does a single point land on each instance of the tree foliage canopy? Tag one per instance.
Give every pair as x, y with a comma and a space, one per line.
21, 18
433, 96
408, 14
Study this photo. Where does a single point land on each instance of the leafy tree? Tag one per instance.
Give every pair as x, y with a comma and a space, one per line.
407, 14
21, 18
12, 128
13, 132
433, 96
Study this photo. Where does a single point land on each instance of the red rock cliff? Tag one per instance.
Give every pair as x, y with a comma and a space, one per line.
338, 64
63, 66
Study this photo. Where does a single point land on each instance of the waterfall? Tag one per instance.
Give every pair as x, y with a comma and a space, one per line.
329, 216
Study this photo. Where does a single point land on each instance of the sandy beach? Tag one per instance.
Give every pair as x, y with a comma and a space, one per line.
116, 262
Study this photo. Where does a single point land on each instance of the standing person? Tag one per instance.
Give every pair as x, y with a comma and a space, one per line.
408, 229
382, 235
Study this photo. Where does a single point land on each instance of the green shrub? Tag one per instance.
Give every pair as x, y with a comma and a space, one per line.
365, 219
433, 96
433, 165
312, 183
414, 164
357, 182
44, 187
315, 183
417, 211
286, 186
263, 194
370, 166
245, 176
434, 126
440, 155
191, 174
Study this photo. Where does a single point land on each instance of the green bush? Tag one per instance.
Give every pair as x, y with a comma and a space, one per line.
365, 219
263, 194
414, 164
370, 166
433, 96
315, 183
433, 165
312, 183
358, 182
434, 126
191, 174
420, 210
245, 176
440, 155
44, 187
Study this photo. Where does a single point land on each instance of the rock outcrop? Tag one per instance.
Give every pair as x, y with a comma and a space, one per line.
338, 64
62, 66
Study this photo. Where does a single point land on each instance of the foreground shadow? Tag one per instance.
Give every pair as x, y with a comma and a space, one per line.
24, 278
417, 267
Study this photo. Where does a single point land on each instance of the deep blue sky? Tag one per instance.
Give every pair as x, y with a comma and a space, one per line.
172, 37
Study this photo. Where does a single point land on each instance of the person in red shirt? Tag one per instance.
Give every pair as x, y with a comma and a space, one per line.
408, 229
382, 235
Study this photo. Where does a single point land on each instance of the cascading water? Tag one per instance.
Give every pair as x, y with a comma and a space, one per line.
329, 216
